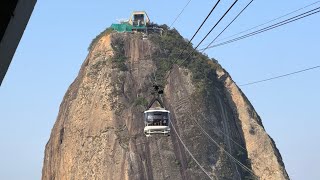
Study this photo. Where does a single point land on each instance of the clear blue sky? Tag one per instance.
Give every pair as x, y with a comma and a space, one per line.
55, 44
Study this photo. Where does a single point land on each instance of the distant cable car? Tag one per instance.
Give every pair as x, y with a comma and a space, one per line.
144, 37
157, 119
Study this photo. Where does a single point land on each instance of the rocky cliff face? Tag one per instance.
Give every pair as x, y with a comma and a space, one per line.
99, 130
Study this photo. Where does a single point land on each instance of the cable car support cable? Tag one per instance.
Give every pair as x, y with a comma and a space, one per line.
281, 76
272, 20
194, 50
227, 26
199, 28
180, 13
227, 153
216, 24
232, 140
284, 22
186, 148
217, 144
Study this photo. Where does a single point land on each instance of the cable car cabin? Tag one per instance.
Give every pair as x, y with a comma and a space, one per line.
156, 121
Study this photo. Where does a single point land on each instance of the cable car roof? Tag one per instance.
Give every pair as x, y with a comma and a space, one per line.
156, 110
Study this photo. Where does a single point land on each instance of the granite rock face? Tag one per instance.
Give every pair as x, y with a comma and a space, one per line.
98, 133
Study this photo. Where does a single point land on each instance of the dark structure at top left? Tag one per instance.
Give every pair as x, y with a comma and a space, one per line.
14, 17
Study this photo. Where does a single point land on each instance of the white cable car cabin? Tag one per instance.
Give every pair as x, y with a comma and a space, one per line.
156, 121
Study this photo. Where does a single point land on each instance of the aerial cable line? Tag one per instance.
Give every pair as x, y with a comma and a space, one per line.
208, 33
215, 128
227, 26
263, 29
227, 153
281, 76
184, 145
270, 21
226, 135
180, 13
216, 24
292, 19
295, 18
213, 8
199, 27
217, 144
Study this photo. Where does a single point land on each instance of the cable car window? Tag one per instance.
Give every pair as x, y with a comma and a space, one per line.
157, 118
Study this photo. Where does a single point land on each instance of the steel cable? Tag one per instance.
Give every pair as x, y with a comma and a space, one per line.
276, 77
227, 26
186, 148
180, 13
272, 20
279, 24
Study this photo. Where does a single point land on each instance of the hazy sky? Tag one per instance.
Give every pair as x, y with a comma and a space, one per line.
55, 44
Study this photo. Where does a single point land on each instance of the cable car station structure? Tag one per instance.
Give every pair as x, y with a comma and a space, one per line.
139, 21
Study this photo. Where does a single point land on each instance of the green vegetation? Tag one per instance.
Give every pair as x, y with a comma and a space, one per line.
249, 177
141, 101
123, 136
177, 162
117, 45
170, 52
96, 68
170, 46
252, 130
97, 38
242, 156
191, 164
119, 57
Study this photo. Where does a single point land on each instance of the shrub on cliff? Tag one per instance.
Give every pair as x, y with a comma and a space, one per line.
96, 39
174, 49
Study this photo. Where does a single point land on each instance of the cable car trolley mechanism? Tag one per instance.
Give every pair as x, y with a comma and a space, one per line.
156, 119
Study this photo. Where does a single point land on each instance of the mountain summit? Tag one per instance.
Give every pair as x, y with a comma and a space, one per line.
99, 134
